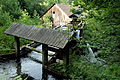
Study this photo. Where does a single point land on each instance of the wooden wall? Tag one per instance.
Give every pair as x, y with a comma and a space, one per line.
58, 16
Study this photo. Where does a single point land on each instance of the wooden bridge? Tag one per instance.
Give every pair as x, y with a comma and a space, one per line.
50, 39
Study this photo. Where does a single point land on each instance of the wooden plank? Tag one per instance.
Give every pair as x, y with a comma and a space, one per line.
34, 31
34, 49
40, 51
28, 31
11, 29
31, 31
38, 33
65, 40
57, 44
56, 38
45, 35
53, 38
49, 37
17, 31
22, 31
62, 43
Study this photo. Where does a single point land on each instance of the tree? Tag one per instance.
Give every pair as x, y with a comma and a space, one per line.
11, 6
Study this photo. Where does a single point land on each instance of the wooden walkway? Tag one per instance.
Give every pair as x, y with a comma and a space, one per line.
39, 34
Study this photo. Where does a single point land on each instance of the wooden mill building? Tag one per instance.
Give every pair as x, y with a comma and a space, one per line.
60, 14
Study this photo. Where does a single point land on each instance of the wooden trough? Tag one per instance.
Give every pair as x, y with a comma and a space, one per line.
50, 39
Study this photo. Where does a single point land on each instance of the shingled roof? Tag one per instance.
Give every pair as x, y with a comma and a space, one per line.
39, 34
66, 8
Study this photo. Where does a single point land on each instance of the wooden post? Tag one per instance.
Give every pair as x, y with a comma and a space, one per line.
44, 74
81, 32
45, 54
18, 66
17, 46
66, 56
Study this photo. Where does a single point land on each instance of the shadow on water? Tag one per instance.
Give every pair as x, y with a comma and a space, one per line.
26, 67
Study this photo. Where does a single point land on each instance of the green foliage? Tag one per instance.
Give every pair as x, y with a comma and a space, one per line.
58, 66
81, 69
47, 20
6, 42
57, 1
12, 7
102, 31
81, 3
5, 18
102, 24
26, 19
31, 5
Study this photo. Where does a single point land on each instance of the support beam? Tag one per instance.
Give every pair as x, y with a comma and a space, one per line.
17, 46
18, 66
66, 58
45, 54
53, 49
44, 74
66, 55
39, 51
81, 32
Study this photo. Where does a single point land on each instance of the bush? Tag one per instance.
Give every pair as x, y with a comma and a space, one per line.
11, 6
26, 19
80, 69
6, 42
31, 5
5, 18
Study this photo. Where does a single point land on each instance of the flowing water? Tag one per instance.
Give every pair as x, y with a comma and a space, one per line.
10, 68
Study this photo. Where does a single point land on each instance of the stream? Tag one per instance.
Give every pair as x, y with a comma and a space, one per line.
10, 68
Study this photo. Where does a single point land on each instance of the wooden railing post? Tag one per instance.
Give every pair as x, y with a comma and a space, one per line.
45, 54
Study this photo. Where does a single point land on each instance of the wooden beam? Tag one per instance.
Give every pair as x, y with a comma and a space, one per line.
66, 55
17, 46
53, 49
18, 66
33, 49
44, 74
39, 51
66, 58
45, 54
81, 32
